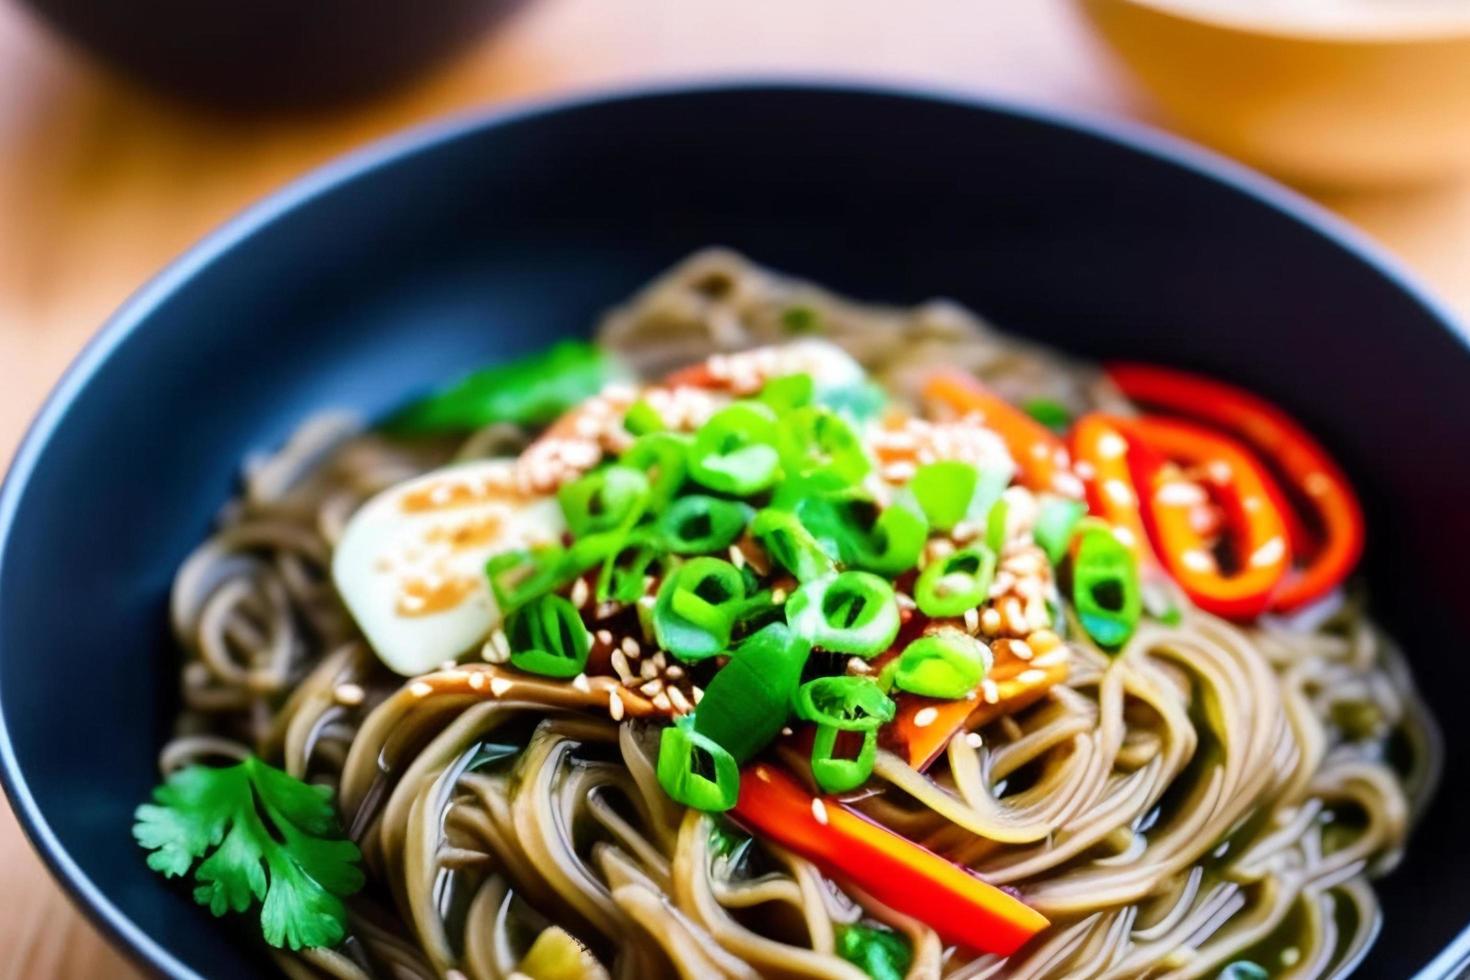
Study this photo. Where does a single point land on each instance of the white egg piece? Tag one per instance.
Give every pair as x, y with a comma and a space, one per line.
411, 562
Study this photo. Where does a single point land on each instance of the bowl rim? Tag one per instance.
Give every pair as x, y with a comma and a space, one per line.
1427, 26
115, 924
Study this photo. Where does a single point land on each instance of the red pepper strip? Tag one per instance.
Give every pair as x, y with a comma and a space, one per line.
1101, 451
908, 878
1309, 471
1041, 457
1171, 503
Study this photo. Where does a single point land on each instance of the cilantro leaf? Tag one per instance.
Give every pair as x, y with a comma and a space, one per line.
275, 840
881, 953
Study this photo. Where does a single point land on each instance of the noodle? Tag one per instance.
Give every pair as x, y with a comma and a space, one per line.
1214, 792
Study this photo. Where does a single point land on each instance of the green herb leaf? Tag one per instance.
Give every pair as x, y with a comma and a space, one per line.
533, 390
881, 953
1050, 413
275, 840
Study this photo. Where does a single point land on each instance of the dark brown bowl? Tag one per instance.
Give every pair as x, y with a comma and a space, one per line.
269, 53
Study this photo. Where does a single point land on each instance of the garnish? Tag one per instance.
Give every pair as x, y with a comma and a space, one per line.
547, 638
530, 391
1049, 412
851, 612
269, 838
880, 953
958, 582
697, 607
944, 664
1105, 588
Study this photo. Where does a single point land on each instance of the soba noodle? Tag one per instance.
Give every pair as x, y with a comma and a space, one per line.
1212, 793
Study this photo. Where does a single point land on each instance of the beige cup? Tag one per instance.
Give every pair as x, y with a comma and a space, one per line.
1324, 101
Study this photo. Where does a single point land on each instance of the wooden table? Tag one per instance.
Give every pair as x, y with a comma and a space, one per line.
100, 185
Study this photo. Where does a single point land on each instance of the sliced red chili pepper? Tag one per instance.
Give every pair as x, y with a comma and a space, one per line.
1171, 505
1040, 456
1101, 452
906, 877
1310, 473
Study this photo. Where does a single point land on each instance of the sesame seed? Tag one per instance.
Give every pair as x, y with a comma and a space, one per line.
447, 664
661, 702
673, 672
786, 730
604, 637
620, 666
1180, 494
1125, 537
476, 681
419, 689
973, 740
676, 697
1031, 676
630, 647
652, 687
499, 685
1269, 553
1118, 492
1021, 650
925, 717
647, 669
660, 661
350, 695
1043, 641
615, 706
698, 693
819, 812
1111, 446
990, 621
581, 683
778, 596
972, 620
737, 557
1052, 658
990, 692
1197, 560
580, 593
857, 665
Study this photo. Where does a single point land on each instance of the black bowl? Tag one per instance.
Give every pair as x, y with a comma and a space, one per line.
266, 53
479, 239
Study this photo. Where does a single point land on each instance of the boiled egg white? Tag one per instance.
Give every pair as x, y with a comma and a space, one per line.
411, 562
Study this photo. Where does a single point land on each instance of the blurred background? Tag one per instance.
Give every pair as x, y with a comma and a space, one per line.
128, 128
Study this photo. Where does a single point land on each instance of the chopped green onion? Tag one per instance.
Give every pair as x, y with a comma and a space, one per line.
1105, 588
787, 393
1056, 521
697, 608
893, 544
522, 575
860, 402
695, 770
995, 526
625, 570
834, 773
791, 545
746, 703
850, 703
531, 391
663, 457
944, 664
697, 525
547, 637
958, 582
817, 445
642, 419
1049, 412
800, 319
880, 953
613, 497
851, 612
734, 451
944, 491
